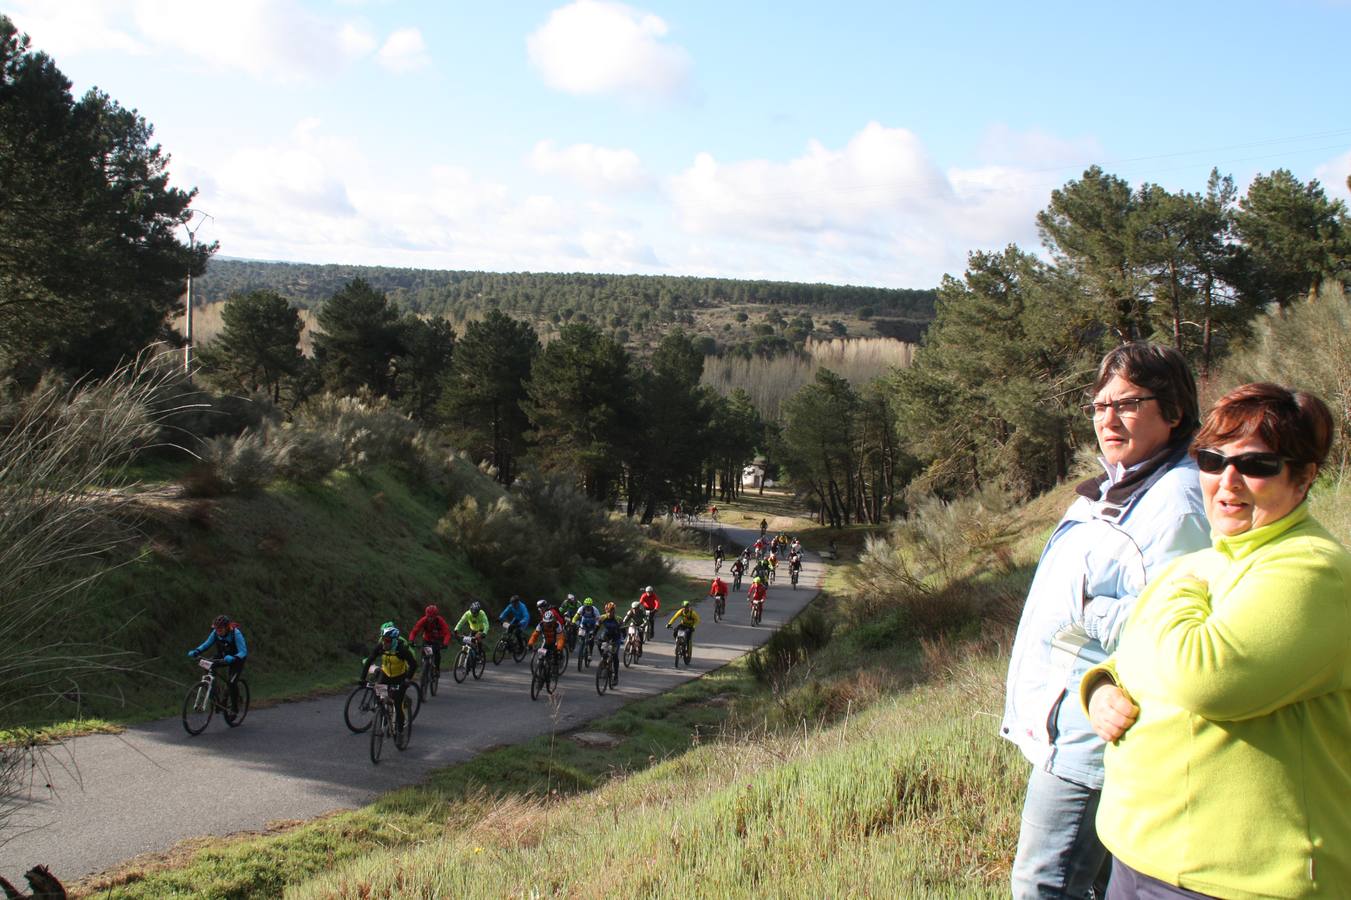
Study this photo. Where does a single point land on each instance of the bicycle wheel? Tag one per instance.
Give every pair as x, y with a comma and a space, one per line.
603, 676
581, 656
536, 682
630, 653
401, 738
500, 652
197, 708
424, 677
679, 651
461, 665
717, 610
378, 732
236, 718
359, 710
414, 696
434, 678
480, 661
518, 648
550, 679
756, 612
688, 653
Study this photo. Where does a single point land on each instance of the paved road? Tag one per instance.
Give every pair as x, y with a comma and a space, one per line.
144, 790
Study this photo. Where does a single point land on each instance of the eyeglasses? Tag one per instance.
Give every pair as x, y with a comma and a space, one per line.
1254, 465
1126, 407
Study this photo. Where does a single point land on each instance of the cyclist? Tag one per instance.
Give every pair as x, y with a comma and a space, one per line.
718, 589
764, 526
475, 620
516, 616
435, 630
795, 566
231, 650
761, 571
568, 609
636, 616
773, 566
717, 558
738, 569
398, 663
551, 629
688, 619
651, 602
757, 592
796, 546
608, 628
586, 617
543, 606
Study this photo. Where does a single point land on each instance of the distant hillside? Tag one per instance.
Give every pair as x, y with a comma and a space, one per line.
637, 304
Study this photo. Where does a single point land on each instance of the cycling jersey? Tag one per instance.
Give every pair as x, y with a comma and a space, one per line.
515, 614
610, 630
470, 621
569, 608
230, 646
552, 631
588, 616
687, 617
399, 661
650, 601
718, 588
635, 617
757, 592
434, 628
738, 567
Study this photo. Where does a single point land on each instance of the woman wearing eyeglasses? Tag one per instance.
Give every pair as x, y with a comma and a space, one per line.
1229, 697
1126, 525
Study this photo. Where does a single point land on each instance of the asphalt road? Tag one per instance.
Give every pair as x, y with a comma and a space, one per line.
113, 797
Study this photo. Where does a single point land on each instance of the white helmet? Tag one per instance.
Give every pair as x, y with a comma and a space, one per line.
634, 605
549, 616
648, 589
572, 597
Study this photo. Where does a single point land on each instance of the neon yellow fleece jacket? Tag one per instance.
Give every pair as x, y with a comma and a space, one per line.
1235, 781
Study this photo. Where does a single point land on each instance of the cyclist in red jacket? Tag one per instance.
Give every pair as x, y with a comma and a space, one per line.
651, 602
435, 630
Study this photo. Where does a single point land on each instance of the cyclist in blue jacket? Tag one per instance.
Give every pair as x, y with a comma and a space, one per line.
231, 650
516, 617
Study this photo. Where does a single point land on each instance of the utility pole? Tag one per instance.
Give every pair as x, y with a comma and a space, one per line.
187, 317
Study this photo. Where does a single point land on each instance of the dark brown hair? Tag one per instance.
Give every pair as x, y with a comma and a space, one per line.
1162, 371
1294, 424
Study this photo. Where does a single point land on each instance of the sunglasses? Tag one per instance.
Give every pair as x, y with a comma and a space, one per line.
1253, 465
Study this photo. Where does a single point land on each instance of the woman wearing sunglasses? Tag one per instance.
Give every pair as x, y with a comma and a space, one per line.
1229, 697
1126, 525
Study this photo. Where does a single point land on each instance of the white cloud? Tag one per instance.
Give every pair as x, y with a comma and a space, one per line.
878, 210
1333, 174
594, 168
600, 47
274, 40
404, 51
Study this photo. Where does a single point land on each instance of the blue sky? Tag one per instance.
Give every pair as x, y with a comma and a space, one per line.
851, 142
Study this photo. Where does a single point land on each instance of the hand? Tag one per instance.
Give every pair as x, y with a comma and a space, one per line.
1110, 711
229, 660
192, 654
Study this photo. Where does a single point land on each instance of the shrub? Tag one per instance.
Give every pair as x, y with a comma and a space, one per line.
243, 464
368, 428
304, 455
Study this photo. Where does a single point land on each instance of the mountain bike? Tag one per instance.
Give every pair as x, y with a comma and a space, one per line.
512, 642
543, 672
210, 694
383, 724
607, 673
793, 574
470, 660
717, 565
719, 607
633, 647
651, 623
586, 646
757, 611
682, 645
431, 673
736, 581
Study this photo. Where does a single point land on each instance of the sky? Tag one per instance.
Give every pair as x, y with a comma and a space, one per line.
869, 143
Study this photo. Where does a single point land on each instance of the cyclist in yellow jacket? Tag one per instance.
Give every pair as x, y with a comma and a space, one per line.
688, 619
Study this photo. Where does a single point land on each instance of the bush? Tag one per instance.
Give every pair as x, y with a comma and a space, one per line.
304, 455
367, 428
790, 647
238, 465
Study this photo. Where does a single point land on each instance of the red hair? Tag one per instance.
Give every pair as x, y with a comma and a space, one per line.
1294, 424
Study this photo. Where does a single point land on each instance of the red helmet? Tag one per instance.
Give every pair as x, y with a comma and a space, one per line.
431, 610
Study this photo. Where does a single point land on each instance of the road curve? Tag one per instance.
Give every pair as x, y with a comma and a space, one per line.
117, 796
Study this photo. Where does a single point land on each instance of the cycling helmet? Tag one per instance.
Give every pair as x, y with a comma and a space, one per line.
549, 616
515, 598
634, 605
572, 598
609, 607
431, 610
588, 602
541, 604
685, 605
475, 606
220, 622
755, 580
648, 589
389, 631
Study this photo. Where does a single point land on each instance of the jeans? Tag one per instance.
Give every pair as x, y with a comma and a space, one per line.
1059, 854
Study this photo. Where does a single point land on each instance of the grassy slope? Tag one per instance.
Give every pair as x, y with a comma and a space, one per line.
308, 572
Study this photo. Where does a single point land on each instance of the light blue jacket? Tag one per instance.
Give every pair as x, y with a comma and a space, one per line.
1092, 569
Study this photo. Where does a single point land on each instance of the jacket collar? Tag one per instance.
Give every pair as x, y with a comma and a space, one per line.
1114, 503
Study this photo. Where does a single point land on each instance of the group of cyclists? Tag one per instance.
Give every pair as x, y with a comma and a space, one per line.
557, 628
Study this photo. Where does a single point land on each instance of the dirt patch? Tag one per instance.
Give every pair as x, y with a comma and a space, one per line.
598, 740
